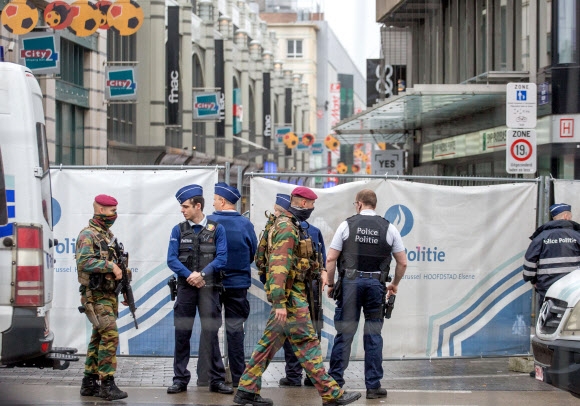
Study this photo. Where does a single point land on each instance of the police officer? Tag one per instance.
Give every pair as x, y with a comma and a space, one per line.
97, 273
197, 250
553, 252
289, 316
363, 245
237, 274
300, 202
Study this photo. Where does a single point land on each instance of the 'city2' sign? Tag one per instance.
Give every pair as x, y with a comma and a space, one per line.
120, 83
39, 52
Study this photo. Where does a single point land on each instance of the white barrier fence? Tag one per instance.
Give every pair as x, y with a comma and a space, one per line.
463, 293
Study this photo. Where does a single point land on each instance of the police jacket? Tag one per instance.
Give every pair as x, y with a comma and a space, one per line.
366, 248
553, 253
242, 244
221, 249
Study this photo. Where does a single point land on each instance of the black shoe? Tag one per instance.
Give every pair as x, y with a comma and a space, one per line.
177, 388
308, 382
110, 391
247, 398
202, 383
287, 382
376, 393
346, 399
221, 388
90, 385
532, 375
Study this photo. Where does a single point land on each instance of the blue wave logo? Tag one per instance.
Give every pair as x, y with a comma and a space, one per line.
401, 217
56, 212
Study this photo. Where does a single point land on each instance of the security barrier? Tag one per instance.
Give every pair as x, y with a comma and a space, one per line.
463, 293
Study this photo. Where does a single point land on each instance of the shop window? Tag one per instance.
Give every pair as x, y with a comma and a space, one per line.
72, 62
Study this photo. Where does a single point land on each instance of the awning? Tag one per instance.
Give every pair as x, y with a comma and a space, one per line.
393, 119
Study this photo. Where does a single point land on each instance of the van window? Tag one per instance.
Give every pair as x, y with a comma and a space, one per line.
44, 163
3, 204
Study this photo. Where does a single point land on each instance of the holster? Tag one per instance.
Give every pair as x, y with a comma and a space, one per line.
91, 315
337, 291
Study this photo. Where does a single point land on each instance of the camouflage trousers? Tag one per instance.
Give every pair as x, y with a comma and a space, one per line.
102, 350
306, 347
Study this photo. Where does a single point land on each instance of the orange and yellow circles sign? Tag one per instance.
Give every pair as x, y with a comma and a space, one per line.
341, 168
308, 139
82, 17
19, 17
331, 142
290, 140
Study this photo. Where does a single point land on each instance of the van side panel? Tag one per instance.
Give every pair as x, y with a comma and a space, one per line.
27, 180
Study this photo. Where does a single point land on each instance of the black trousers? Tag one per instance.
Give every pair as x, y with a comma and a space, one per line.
237, 310
190, 300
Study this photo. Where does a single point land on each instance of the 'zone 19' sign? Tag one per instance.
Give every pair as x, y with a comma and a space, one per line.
521, 151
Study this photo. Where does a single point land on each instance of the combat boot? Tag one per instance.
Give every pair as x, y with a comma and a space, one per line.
110, 391
90, 385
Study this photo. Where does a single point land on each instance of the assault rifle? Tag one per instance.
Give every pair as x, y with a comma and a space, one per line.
319, 322
124, 285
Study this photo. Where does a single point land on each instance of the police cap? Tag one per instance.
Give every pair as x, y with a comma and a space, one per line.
230, 193
187, 192
558, 208
283, 200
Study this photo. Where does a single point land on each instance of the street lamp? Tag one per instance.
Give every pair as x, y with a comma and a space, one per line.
205, 8
255, 47
242, 38
225, 24
267, 59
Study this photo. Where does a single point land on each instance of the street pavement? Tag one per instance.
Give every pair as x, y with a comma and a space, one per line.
464, 381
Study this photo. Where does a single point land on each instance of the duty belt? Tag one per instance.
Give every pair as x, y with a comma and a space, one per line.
368, 275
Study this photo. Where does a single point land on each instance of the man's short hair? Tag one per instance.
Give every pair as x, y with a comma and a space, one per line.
367, 197
197, 199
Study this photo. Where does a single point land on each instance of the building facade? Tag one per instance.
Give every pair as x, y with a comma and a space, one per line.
460, 56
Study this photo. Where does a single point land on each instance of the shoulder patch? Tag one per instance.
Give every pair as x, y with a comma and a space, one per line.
210, 227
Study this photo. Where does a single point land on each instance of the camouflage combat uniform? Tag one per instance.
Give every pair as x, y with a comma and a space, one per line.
285, 289
92, 258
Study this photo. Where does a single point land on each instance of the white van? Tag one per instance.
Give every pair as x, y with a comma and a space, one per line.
26, 240
556, 345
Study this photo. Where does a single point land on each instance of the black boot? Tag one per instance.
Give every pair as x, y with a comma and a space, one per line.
90, 385
246, 398
110, 391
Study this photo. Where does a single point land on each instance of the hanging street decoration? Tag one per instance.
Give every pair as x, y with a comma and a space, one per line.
331, 142
290, 140
308, 139
82, 17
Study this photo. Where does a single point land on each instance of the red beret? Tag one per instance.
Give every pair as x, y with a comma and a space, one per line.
105, 200
304, 192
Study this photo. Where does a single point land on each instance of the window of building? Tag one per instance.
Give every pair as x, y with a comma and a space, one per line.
295, 48
121, 117
70, 134
72, 57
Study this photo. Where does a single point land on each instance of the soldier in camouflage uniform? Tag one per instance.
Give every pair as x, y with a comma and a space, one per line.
98, 273
289, 317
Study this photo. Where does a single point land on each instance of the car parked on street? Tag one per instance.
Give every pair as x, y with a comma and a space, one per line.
556, 345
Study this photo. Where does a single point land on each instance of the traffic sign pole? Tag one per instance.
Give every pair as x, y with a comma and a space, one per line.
521, 119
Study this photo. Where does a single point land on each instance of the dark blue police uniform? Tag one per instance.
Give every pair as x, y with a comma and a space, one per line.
237, 277
365, 252
203, 248
553, 253
293, 367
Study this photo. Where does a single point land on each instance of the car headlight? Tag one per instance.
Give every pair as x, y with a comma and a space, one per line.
572, 326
